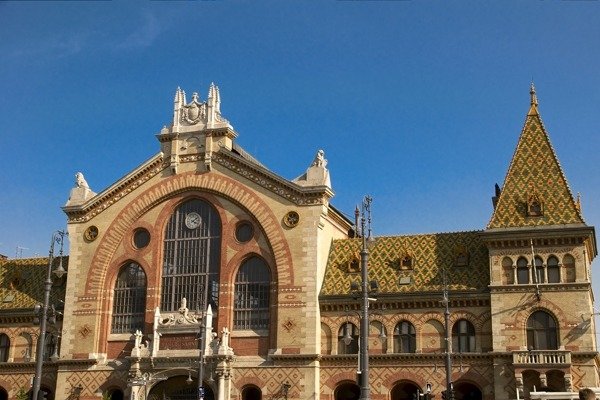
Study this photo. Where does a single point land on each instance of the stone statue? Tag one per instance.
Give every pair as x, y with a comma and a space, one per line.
319, 160
80, 181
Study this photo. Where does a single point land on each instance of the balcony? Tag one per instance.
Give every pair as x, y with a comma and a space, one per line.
542, 357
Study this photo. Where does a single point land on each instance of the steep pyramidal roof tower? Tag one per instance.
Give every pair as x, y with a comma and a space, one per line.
535, 190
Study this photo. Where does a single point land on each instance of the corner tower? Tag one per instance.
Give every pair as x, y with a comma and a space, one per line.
540, 280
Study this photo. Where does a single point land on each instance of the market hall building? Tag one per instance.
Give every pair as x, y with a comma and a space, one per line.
203, 241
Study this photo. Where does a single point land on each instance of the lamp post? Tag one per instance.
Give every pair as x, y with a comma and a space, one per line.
57, 237
203, 324
445, 301
365, 217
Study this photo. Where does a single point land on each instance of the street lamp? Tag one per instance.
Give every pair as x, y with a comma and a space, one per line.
57, 237
445, 302
203, 324
366, 286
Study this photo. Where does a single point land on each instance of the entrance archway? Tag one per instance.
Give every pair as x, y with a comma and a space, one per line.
177, 388
347, 391
405, 390
3, 394
467, 391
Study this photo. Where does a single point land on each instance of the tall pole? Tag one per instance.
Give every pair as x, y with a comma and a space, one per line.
203, 324
364, 323
57, 236
448, 341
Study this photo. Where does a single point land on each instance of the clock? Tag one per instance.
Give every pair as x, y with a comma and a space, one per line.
192, 220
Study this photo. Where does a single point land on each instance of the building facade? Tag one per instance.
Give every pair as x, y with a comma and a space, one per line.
203, 262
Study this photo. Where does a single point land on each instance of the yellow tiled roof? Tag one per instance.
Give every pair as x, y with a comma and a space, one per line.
22, 282
535, 171
429, 255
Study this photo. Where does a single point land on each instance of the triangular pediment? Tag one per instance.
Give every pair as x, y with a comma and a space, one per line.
535, 190
236, 162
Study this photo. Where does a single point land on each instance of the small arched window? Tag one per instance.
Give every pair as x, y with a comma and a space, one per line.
522, 271
4, 347
539, 270
405, 338
542, 333
252, 287
130, 299
553, 270
463, 336
348, 339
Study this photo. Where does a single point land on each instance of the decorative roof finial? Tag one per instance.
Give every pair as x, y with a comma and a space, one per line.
534, 100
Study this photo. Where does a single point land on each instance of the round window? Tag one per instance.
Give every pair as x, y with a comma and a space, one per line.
244, 231
141, 238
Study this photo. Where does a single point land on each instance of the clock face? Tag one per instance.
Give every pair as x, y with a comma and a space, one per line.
192, 220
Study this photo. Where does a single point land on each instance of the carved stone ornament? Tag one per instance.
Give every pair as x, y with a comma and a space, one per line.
194, 112
291, 219
91, 233
183, 318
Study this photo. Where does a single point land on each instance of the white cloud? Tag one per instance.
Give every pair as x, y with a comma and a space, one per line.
145, 34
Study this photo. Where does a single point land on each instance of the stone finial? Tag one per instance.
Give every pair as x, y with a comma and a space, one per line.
81, 192
534, 100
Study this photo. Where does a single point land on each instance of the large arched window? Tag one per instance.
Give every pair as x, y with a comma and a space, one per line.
4, 347
191, 257
553, 270
405, 338
252, 287
542, 333
130, 299
463, 336
348, 339
522, 271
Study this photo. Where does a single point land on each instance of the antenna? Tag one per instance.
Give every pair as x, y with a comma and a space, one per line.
19, 251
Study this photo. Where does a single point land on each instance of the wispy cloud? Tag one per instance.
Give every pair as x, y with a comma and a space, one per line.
52, 47
144, 35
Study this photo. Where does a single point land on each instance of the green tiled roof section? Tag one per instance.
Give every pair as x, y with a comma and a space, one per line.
535, 169
430, 254
22, 282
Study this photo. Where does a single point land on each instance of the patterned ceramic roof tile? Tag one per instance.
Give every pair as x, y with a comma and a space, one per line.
22, 282
462, 253
535, 171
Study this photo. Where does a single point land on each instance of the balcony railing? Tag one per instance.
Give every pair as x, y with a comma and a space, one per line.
546, 357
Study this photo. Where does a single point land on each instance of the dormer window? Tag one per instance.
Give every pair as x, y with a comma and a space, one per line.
535, 207
461, 256
406, 261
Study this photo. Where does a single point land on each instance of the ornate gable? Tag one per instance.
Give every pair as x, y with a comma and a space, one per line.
200, 140
535, 190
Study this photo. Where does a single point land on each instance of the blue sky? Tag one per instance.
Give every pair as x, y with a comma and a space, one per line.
417, 103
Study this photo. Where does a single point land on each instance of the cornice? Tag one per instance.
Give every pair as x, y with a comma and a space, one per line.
263, 177
404, 301
543, 287
299, 195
